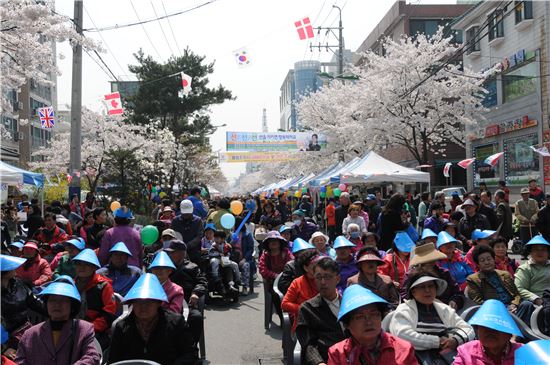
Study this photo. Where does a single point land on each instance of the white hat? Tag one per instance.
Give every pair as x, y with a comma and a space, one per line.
186, 206
319, 234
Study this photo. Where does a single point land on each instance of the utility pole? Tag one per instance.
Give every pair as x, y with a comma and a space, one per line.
76, 105
340, 44
339, 47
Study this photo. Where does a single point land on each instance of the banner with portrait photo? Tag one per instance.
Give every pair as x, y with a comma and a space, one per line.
275, 142
521, 163
484, 172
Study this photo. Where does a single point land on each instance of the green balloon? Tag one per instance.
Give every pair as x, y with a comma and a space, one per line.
304, 190
337, 192
149, 235
322, 195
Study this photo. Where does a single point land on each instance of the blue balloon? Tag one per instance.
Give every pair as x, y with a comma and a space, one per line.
227, 221
323, 189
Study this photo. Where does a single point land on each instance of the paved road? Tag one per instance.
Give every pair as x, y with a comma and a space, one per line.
235, 333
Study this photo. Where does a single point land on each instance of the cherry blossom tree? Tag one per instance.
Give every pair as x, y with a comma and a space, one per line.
28, 29
395, 101
104, 138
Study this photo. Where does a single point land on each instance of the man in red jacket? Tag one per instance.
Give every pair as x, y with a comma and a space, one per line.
97, 292
35, 271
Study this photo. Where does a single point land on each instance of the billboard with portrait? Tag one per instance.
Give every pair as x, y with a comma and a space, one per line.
275, 142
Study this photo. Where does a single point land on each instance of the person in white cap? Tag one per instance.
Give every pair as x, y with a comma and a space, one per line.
191, 229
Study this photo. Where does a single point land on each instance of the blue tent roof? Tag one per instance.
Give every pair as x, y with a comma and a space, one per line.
12, 175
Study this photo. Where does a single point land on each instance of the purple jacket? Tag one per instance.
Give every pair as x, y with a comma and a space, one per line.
131, 239
305, 231
346, 271
36, 346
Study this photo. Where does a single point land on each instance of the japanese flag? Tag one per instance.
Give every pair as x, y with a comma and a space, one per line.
447, 169
186, 83
114, 105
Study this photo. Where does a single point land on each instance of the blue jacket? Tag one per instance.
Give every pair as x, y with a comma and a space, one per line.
198, 207
122, 280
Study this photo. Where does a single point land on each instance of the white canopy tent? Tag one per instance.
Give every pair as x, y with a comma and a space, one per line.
373, 168
334, 176
12, 175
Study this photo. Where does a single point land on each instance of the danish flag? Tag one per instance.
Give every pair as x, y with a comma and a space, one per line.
465, 163
114, 105
304, 28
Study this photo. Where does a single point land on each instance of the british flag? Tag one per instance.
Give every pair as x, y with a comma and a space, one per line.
47, 117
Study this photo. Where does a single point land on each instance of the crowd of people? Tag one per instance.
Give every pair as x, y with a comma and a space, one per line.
70, 275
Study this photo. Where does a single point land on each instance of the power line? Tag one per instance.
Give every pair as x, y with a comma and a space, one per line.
171, 29
162, 29
97, 63
103, 62
144, 30
105, 42
116, 26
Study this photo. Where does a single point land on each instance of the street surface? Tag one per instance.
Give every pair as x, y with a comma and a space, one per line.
235, 333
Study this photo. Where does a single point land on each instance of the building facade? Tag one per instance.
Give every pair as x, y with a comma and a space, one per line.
511, 38
27, 138
407, 20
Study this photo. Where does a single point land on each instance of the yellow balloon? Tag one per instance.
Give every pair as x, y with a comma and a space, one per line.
114, 206
298, 194
236, 207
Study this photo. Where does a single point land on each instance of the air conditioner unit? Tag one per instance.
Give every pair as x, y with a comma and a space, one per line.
18, 136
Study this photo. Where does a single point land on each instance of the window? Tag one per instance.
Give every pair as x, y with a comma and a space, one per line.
490, 98
430, 26
496, 25
523, 10
472, 39
520, 82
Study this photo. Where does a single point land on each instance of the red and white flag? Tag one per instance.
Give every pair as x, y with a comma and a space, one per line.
465, 163
493, 159
447, 169
304, 28
114, 105
69, 178
186, 83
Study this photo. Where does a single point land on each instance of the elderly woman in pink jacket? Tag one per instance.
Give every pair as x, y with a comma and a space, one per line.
61, 339
495, 328
162, 266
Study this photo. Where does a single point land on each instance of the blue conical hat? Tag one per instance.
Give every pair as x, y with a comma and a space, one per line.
61, 288
9, 263
426, 232
342, 241
162, 260
444, 237
300, 245
538, 240
356, 296
478, 234
89, 256
533, 353
494, 315
76, 243
147, 287
120, 247
403, 242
